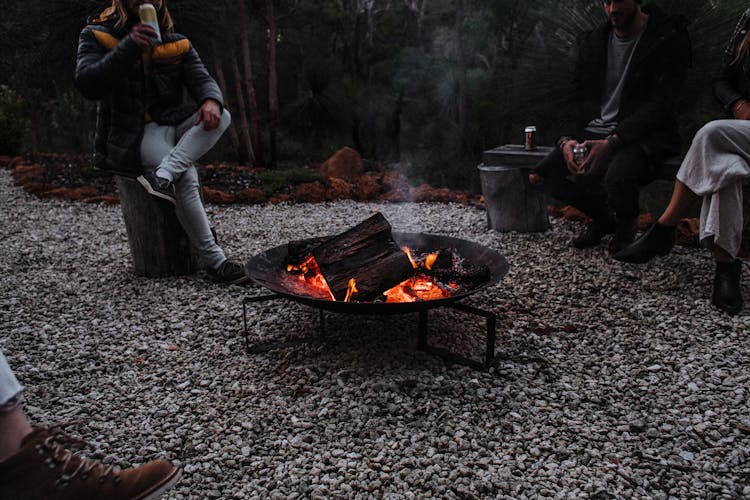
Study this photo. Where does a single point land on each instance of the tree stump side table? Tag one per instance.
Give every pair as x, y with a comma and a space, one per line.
158, 244
511, 202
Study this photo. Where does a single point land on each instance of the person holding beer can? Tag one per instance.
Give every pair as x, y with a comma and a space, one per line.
617, 122
145, 128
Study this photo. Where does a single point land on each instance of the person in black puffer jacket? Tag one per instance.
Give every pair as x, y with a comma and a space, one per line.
158, 111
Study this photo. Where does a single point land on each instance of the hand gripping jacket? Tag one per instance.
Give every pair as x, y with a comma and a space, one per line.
111, 69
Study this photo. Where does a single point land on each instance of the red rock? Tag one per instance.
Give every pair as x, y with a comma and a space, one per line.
345, 164
9, 161
573, 214
217, 197
73, 194
645, 221
250, 196
310, 192
26, 174
395, 187
464, 198
339, 189
367, 187
427, 193
279, 198
554, 212
105, 198
687, 232
36, 187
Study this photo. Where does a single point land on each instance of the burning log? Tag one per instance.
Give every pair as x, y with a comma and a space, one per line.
299, 250
366, 253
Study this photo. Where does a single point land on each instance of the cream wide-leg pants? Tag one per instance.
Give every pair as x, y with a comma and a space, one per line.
10, 389
716, 167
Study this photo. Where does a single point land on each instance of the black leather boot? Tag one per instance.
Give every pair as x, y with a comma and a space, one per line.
624, 235
593, 234
727, 294
658, 240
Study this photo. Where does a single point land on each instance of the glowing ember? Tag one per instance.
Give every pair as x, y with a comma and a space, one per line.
419, 287
309, 273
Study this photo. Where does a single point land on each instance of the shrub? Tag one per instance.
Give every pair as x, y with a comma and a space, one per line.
12, 122
276, 180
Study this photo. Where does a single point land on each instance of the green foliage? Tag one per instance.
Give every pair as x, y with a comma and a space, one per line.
275, 180
12, 122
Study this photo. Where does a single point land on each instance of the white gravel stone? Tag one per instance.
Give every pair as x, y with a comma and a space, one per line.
610, 380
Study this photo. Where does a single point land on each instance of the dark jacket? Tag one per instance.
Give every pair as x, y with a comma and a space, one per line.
657, 71
733, 82
110, 70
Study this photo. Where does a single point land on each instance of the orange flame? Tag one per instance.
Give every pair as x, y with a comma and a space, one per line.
417, 288
309, 273
429, 261
407, 251
351, 289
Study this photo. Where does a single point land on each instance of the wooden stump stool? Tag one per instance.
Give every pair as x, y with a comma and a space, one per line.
158, 244
511, 202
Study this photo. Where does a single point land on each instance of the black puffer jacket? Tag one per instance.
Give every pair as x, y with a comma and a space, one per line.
657, 71
110, 70
733, 82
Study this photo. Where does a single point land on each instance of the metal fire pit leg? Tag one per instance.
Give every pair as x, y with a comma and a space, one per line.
489, 352
322, 324
422, 338
261, 347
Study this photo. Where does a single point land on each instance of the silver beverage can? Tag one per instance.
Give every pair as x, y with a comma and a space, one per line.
579, 153
529, 138
147, 13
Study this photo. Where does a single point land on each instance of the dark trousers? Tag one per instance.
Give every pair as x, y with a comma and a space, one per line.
613, 188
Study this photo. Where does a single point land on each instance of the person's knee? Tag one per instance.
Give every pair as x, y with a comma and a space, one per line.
188, 182
717, 130
226, 120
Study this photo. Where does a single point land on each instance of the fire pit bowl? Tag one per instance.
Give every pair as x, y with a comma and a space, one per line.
267, 269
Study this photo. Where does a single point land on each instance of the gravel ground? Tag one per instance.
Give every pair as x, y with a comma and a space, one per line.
611, 380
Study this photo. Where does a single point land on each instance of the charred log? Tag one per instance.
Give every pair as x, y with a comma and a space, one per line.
299, 250
467, 277
368, 254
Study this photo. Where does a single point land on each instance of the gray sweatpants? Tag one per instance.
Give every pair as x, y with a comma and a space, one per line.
176, 149
715, 167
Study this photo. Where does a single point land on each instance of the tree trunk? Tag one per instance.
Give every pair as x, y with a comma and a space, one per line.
219, 70
462, 81
244, 129
249, 85
273, 99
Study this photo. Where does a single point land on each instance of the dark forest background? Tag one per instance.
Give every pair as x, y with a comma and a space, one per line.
422, 85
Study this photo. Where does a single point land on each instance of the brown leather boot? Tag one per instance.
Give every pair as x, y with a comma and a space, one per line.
44, 468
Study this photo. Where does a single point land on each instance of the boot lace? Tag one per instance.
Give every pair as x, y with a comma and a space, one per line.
54, 446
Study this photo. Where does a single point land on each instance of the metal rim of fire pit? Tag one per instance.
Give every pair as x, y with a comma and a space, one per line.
266, 269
